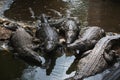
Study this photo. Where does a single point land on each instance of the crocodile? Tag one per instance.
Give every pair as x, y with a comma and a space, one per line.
21, 41
87, 38
71, 30
47, 35
98, 59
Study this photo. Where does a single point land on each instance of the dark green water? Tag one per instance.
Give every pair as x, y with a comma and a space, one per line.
10, 68
103, 13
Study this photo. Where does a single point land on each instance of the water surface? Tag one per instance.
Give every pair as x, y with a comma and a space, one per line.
105, 14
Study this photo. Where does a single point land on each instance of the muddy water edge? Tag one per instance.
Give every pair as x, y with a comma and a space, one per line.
103, 13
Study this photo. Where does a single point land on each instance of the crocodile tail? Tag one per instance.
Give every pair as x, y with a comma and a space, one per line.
56, 12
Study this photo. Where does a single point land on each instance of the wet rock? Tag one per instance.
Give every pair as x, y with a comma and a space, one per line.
4, 33
13, 25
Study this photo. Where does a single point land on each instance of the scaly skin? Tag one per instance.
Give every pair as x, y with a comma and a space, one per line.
71, 30
88, 37
21, 41
48, 35
96, 62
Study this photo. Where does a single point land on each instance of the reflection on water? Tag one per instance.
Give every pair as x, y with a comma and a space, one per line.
103, 13
58, 72
22, 13
4, 5
79, 8
19, 10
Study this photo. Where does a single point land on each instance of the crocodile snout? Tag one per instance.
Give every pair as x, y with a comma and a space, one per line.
49, 46
70, 37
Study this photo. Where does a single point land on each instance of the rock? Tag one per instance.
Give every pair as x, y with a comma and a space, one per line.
4, 33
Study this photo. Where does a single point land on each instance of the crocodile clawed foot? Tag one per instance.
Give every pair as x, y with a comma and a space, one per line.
46, 64
111, 56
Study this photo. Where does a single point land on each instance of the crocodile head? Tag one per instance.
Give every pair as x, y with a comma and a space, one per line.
49, 46
70, 36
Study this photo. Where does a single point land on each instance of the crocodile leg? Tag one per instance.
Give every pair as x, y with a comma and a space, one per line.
86, 53
11, 26
36, 40
35, 47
